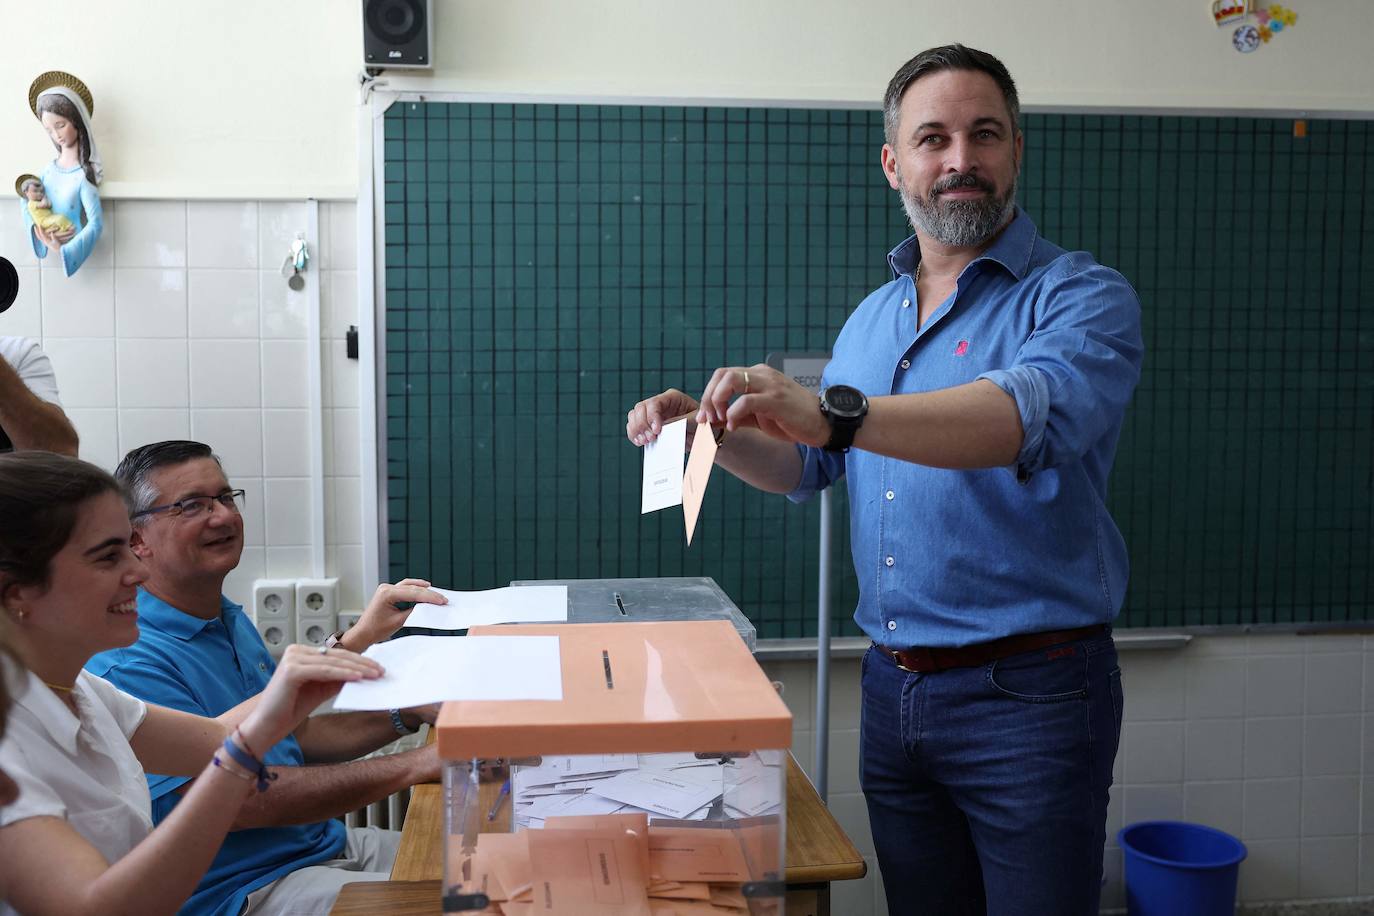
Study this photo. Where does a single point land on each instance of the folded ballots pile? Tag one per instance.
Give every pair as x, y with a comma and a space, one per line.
680, 786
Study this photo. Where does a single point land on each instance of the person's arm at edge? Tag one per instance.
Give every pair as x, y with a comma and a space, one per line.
30, 421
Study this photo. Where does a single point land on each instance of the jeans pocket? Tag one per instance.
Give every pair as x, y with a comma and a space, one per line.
1038, 678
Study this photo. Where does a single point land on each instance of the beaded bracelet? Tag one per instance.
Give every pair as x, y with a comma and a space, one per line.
250, 763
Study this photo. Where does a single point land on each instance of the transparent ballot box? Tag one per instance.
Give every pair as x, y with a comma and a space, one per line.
656, 786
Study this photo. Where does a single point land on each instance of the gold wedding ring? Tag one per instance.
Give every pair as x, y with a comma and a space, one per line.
746, 380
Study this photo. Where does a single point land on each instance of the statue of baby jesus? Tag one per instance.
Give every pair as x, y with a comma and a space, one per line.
40, 208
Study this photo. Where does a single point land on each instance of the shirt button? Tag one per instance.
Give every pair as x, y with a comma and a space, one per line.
892, 624
262, 666
906, 364
890, 561
890, 495
906, 303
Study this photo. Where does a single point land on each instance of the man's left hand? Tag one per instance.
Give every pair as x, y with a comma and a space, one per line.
766, 399
384, 615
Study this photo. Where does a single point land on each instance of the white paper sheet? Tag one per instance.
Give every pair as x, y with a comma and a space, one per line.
675, 794
663, 464
432, 669
512, 604
557, 770
756, 795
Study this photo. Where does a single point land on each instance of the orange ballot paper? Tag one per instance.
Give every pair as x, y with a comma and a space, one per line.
696, 854
587, 873
507, 856
635, 826
698, 472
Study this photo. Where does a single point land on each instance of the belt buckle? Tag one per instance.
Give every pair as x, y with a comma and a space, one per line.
915, 661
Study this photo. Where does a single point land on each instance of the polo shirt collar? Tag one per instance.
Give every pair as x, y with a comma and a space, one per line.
158, 614
1012, 249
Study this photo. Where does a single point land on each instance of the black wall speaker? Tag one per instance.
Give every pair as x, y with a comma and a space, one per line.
397, 33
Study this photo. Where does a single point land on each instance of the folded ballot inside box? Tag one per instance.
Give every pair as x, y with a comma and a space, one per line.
655, 786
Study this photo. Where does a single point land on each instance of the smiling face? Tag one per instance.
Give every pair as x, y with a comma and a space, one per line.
87, 605
178, 550
955, 157
60, 130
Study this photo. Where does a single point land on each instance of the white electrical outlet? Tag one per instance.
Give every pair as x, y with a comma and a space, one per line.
348, 618
274, 613
317, 610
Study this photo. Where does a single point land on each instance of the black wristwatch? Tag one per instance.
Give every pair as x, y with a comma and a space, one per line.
845, 408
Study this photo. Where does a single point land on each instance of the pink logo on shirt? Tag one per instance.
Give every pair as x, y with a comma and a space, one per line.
962, 348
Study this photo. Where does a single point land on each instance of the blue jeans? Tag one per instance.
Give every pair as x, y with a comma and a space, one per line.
987, 786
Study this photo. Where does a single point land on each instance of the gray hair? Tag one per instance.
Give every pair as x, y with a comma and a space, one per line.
135, 471
935, 60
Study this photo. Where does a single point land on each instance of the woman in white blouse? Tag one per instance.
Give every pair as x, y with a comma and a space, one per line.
78, 838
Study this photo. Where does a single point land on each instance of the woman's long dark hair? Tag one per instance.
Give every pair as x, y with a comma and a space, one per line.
62, 106
40, 495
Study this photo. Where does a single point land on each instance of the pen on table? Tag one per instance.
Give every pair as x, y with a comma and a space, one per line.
500, 797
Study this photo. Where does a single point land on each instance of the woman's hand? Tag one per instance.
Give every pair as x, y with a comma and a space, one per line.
304, 679
384, 615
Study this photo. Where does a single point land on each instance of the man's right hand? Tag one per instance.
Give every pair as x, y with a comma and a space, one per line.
645, 420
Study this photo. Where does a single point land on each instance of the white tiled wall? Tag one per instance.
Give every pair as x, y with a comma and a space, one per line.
1268, 737
181, 325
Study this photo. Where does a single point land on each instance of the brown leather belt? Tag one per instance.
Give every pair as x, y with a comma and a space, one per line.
924, 661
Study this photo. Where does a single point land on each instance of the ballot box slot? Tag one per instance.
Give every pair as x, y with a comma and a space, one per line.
620, 605
606, 664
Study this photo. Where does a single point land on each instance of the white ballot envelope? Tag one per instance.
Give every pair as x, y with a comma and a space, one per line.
434, 669
663, 460
512, 604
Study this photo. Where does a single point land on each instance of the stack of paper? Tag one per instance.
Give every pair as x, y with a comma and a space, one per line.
677, 786
609, 865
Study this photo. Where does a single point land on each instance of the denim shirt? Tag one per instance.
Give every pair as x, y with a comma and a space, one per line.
955, 557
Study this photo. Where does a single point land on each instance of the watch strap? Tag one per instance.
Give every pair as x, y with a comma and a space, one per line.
399, 724
842, 430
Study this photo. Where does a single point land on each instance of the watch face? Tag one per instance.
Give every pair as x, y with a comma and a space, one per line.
843, 400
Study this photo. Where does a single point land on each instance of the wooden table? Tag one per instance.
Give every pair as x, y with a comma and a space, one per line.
818, 852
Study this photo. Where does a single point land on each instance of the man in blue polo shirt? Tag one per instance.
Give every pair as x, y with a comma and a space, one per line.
199, 652
974, 404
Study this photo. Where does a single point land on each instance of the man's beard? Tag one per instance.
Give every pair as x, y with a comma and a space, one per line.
958, 223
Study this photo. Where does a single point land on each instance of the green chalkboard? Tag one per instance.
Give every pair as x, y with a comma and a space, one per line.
548, 265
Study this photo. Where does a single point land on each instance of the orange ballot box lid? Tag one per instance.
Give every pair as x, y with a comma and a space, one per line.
628, 688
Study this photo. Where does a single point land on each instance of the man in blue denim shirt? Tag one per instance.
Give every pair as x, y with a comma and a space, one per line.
982, 391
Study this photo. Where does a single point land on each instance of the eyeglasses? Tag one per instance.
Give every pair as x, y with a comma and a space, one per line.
193, 506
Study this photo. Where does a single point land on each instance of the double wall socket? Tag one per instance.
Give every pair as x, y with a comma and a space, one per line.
274, 613
295, 610
317, 610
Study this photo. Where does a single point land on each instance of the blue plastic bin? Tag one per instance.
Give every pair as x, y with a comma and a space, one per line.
1178, 869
